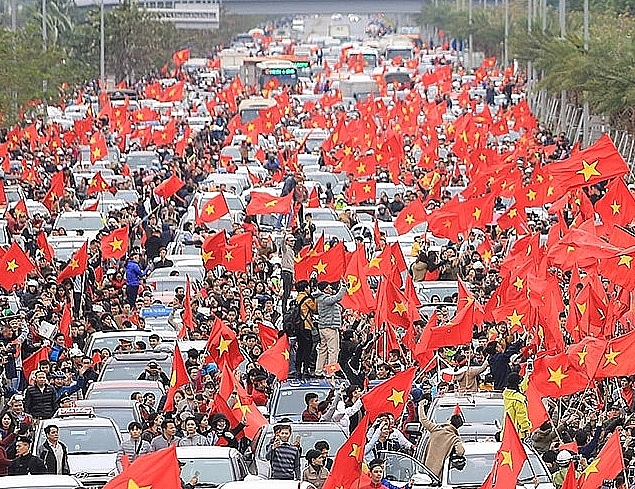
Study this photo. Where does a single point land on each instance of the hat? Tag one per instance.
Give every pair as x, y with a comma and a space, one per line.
125, 340
153, 364
64, 398
58, 375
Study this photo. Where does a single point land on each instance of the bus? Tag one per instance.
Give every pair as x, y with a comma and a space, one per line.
250, 108
285, 72
370, 56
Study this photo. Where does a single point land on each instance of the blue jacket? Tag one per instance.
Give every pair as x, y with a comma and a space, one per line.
134, 273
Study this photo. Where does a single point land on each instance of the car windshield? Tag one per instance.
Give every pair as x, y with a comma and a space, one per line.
91, 222
291, 402
484, 414
129, 371
138, 160
335, 439
109, 342
437, 294
88, 439
340, 232
122, 416
122, 393
210, 471
478, 467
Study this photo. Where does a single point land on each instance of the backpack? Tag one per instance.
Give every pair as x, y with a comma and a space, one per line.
292, 319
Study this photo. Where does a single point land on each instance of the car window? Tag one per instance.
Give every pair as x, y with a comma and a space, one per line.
335, 439
121, 393
122, 416
208, 470
478, 467
484, 414
290, 402
87, 439
129, 371
93, 222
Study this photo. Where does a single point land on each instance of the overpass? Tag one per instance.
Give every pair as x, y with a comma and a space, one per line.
297, 7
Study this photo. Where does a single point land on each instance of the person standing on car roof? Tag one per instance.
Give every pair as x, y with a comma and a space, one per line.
284, 456
444, 439
287, 265
330, 313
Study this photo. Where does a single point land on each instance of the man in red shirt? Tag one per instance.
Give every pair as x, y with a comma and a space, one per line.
311, 414
259, 394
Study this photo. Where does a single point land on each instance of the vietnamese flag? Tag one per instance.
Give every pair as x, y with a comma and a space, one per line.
347, 466
97, 184
178, 378
330, 265
411, 215
15, 265
619, 357
264, 203
607, 465
169, 187
98, 147
44, 246
214, 209
65, 325
314, 199
76, 265
156, 469
234, 258
275, 360
391, 396
617, 206
181, 57
393, 307
56, 190
115, 244
268, 336
213, 249
509, 460
188, 318
222, 345
553, 377
30, 363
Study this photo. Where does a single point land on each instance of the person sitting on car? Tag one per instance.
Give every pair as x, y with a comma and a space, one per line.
154, 373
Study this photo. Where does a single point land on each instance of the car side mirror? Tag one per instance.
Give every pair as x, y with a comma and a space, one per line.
420, 480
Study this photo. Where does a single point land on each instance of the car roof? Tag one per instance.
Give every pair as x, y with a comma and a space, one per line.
145, 356
123, 384
206, 452
471, 399
44, 480
267, 484
78, 421
107, 403
304, 384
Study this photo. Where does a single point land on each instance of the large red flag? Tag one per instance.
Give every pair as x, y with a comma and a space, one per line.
358, 296
214, 209
156, 469
347, 466
509, 460
411, 215
115, 244
15, 265
265, 203
65, 325
222, 345
606, 466
169, 187
390, 396
187, 316
76, 265
178, 378
275, 360
30, 363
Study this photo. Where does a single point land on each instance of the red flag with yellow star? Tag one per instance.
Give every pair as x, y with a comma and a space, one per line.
265, 203
275, 360
358, 296
509, 460
553, 377
330, 265
411, 215
76, 265
600, 161
586, 355
169, 187
56, 190
347, 466
214, 209
606, 466
390, 396
213, 249
153, 470
178, 378
97, 184
618, 204
392, 306
115, 244
619, 357
98, 147
15, 265
222, 345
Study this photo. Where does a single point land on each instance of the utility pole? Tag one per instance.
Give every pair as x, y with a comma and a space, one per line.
506, 47
562, 10
44, 32
586, 135
14, 15
470, 59
102, 61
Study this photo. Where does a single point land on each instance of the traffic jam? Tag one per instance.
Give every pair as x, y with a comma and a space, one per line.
332, 261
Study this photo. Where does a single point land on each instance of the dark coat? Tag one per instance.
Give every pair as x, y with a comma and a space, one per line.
46, 454
27, 464
40, 403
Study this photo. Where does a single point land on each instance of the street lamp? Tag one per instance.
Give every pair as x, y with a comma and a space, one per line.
102, 62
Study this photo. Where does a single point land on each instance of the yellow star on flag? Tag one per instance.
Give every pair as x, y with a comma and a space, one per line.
375, 262
507, 459
243, 407
73, 264
356, 452
367, 188
400, 308
209, 209
396, 397
519, 283
271, 203
207, 255
582, 356
556, 376
616, 207
589, 170
223, 345
625, 260
512, 213
133, 485
531, 195
409, 218
320, 267
361, 168
611, 356
12, 266
515, 319
229, 256
477, 213
591, 468
285, 354
116, 244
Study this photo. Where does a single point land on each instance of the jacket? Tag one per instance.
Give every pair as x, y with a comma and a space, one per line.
50, 461
134, 274
499, 365
27, 464
314, 477
307, 308
443, 439
329, 309
419, 270
196, 440
516, 406
40, 403
160, 442
132, 449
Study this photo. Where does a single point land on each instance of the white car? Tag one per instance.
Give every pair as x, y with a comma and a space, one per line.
213, 465
45, 481
80, 223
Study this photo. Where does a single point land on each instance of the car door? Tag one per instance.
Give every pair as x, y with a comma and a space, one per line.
401, 468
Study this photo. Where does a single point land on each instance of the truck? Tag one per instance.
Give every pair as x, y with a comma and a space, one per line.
231, 61
340, 31
358, 86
